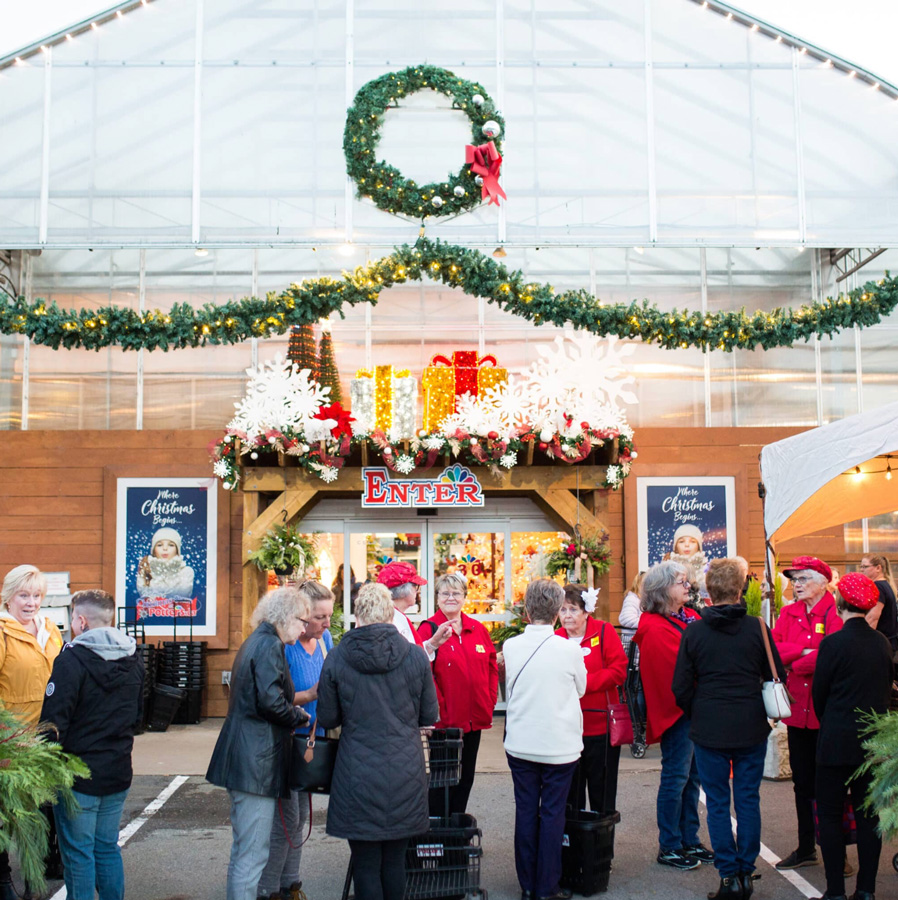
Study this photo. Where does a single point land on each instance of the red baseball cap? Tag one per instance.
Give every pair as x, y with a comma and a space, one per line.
800, 563
858, 591
395, 573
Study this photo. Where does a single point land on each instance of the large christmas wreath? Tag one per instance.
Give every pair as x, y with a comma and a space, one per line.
476, 180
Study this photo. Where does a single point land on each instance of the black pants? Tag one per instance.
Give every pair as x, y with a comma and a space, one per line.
5, 871
459, 794
803, 760
833, 786
596, 773
378, 869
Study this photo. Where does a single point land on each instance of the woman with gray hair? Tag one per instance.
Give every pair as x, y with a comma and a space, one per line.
546, 678
665, 590
378, 686
466, 675
252, 755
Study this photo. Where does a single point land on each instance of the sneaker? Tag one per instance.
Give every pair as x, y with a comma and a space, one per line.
797, 860
699, 852
677, 859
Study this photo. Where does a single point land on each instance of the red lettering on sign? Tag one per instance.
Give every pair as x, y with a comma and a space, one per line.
418, 491
444, 492
375, 479
398, 493
467, 492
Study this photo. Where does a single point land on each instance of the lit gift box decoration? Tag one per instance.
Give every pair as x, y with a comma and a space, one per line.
385, 400
447, 379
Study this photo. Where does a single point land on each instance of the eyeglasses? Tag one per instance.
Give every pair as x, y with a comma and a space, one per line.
801, 580
682, 582
445, 595
866, 566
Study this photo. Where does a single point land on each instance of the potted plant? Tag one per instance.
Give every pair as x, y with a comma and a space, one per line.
286, 551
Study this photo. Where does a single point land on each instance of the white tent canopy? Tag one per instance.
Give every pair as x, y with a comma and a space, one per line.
807, 489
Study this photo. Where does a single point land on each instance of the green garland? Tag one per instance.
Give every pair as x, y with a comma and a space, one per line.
383, 183
472, 271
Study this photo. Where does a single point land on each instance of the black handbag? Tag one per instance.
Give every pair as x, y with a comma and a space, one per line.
312, 762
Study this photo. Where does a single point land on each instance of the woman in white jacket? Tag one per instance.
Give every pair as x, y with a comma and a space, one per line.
546, 678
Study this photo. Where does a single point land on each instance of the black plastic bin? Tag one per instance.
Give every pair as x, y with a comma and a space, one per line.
445, 862
443, 756
188, 712
166, 701
587, 850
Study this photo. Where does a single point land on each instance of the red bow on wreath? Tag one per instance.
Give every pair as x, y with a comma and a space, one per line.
343, 418
485, 161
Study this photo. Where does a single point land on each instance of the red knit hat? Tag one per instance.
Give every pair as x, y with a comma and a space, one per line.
800, 563
858, 591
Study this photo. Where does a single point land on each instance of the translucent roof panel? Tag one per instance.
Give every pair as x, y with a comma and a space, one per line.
664, 122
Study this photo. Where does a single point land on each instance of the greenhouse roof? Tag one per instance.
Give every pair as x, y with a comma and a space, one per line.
162, 124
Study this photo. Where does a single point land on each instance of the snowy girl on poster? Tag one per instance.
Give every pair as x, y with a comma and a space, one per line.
164, 574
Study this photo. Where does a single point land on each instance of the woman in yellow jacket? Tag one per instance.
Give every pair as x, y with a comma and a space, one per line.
29, 642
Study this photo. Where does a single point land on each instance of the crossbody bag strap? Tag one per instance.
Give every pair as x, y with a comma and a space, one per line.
766, 638
511, 686
323, 647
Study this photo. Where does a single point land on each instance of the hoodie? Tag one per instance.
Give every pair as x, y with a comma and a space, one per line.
95, 701
379, 687
717, 680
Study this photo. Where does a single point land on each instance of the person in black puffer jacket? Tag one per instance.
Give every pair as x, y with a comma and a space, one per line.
252, 755
717, 683
379, 687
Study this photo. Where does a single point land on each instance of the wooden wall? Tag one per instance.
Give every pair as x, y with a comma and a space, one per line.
52, 506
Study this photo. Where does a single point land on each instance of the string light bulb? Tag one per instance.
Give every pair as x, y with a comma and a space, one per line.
888, 470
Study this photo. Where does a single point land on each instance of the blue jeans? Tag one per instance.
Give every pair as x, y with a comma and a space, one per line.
733, 856
88, 842
677, 808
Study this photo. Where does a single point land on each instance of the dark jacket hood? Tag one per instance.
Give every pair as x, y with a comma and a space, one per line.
108, 655
725, 618
375, 648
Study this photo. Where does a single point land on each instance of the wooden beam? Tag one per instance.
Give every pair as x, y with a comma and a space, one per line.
253, 585
294, 503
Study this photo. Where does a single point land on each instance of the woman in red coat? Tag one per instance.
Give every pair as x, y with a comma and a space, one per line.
798, 632
606, 669
665, 590
467, 679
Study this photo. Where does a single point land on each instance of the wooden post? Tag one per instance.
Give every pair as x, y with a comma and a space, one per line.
253, 579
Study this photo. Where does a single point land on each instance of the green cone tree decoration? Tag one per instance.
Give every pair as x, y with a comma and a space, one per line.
327, 368
33, 771
301, 349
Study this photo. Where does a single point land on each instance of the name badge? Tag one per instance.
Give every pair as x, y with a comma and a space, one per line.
586, 651
480, 648
820, 628
595, 642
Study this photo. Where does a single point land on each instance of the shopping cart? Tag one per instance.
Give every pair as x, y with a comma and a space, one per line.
445, 861
631, 694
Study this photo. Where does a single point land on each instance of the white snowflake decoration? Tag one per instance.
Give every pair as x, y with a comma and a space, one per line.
328, 474
278, 395
582, 376
509, 460
434, 442
405, 464
222, 468
613, 475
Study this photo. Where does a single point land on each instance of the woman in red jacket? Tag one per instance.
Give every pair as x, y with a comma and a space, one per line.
798, 632
467, 679
606, 669
665, 590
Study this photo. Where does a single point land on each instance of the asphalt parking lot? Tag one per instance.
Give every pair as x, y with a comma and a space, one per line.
180, 851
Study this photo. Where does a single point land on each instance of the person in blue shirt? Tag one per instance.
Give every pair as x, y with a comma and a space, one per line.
280, 880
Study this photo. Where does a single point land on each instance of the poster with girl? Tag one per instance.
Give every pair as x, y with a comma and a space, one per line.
165, 554
690, 520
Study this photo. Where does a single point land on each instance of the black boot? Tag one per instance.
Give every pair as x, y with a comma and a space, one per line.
730, 889
748, 879
863, 895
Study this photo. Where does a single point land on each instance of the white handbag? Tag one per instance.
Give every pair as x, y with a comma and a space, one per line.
777, 700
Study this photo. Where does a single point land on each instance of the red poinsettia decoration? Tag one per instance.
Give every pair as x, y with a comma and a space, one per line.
342, 416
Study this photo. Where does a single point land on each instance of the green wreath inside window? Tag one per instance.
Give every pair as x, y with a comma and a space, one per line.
475, 181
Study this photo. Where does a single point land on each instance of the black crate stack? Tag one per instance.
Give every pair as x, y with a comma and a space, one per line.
147, 654
182, 664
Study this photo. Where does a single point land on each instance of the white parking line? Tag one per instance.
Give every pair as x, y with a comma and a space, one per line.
770, 857
135, 825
